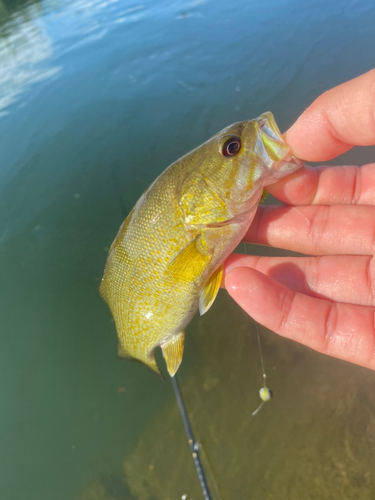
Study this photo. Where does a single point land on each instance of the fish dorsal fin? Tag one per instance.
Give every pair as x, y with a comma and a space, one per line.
208, 295
190, 262
173, 350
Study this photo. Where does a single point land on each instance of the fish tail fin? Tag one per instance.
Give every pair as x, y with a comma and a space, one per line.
151, 363
149, 360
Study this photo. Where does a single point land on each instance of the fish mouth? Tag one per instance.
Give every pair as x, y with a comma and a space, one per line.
262, 120
268, 126
269, 145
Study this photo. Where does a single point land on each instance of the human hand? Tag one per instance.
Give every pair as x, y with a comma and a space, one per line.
326, 302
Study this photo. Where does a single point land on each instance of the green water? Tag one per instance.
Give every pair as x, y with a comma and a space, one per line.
96, 99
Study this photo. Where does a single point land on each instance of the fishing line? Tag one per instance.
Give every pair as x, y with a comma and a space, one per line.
265, 393
193, 445
261, 356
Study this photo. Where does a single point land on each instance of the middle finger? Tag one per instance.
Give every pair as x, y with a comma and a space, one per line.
315, 229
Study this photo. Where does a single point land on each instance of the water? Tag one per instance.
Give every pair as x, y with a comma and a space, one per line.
97, 98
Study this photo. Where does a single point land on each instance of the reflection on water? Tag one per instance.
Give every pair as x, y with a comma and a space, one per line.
25, 49
96, 98
27, 38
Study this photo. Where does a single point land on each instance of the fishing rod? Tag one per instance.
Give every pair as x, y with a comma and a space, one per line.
193, 445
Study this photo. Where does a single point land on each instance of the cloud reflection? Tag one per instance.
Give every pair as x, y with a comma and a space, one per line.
25, 52
34, 37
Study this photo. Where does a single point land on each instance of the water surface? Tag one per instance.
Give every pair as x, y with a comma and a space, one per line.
96, 99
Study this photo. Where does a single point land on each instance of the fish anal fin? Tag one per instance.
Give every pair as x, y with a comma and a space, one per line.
210, 291
173, 350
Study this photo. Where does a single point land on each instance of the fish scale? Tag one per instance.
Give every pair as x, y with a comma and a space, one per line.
166, 260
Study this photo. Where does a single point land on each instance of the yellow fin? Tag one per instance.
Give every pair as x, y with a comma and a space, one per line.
264, 196
189, 263
210, 291
173, 350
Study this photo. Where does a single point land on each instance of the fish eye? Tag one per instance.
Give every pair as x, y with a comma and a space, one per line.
231, 147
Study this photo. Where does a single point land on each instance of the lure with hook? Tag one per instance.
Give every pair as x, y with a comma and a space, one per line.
265, 393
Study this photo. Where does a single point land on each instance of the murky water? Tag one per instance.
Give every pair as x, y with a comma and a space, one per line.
97, 98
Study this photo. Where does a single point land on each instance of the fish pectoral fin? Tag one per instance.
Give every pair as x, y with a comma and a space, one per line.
173, 350
210, 291
190, 262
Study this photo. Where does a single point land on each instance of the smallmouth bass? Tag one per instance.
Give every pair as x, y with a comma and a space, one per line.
166, 260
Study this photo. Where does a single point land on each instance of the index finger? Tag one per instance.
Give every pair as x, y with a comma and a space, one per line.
345, 185
336, 121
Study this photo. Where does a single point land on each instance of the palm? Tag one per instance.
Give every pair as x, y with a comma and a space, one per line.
326, 302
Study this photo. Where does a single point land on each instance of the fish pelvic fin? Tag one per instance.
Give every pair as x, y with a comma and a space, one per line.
173, 350
210, 291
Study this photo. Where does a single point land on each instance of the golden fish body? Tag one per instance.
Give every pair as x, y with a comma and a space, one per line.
166, 260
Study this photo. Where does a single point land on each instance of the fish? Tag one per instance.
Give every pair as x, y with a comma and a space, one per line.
166, 261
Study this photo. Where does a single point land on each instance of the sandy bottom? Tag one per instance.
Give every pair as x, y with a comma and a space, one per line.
314, 440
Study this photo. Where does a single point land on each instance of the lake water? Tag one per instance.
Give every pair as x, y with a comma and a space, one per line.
96, 98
